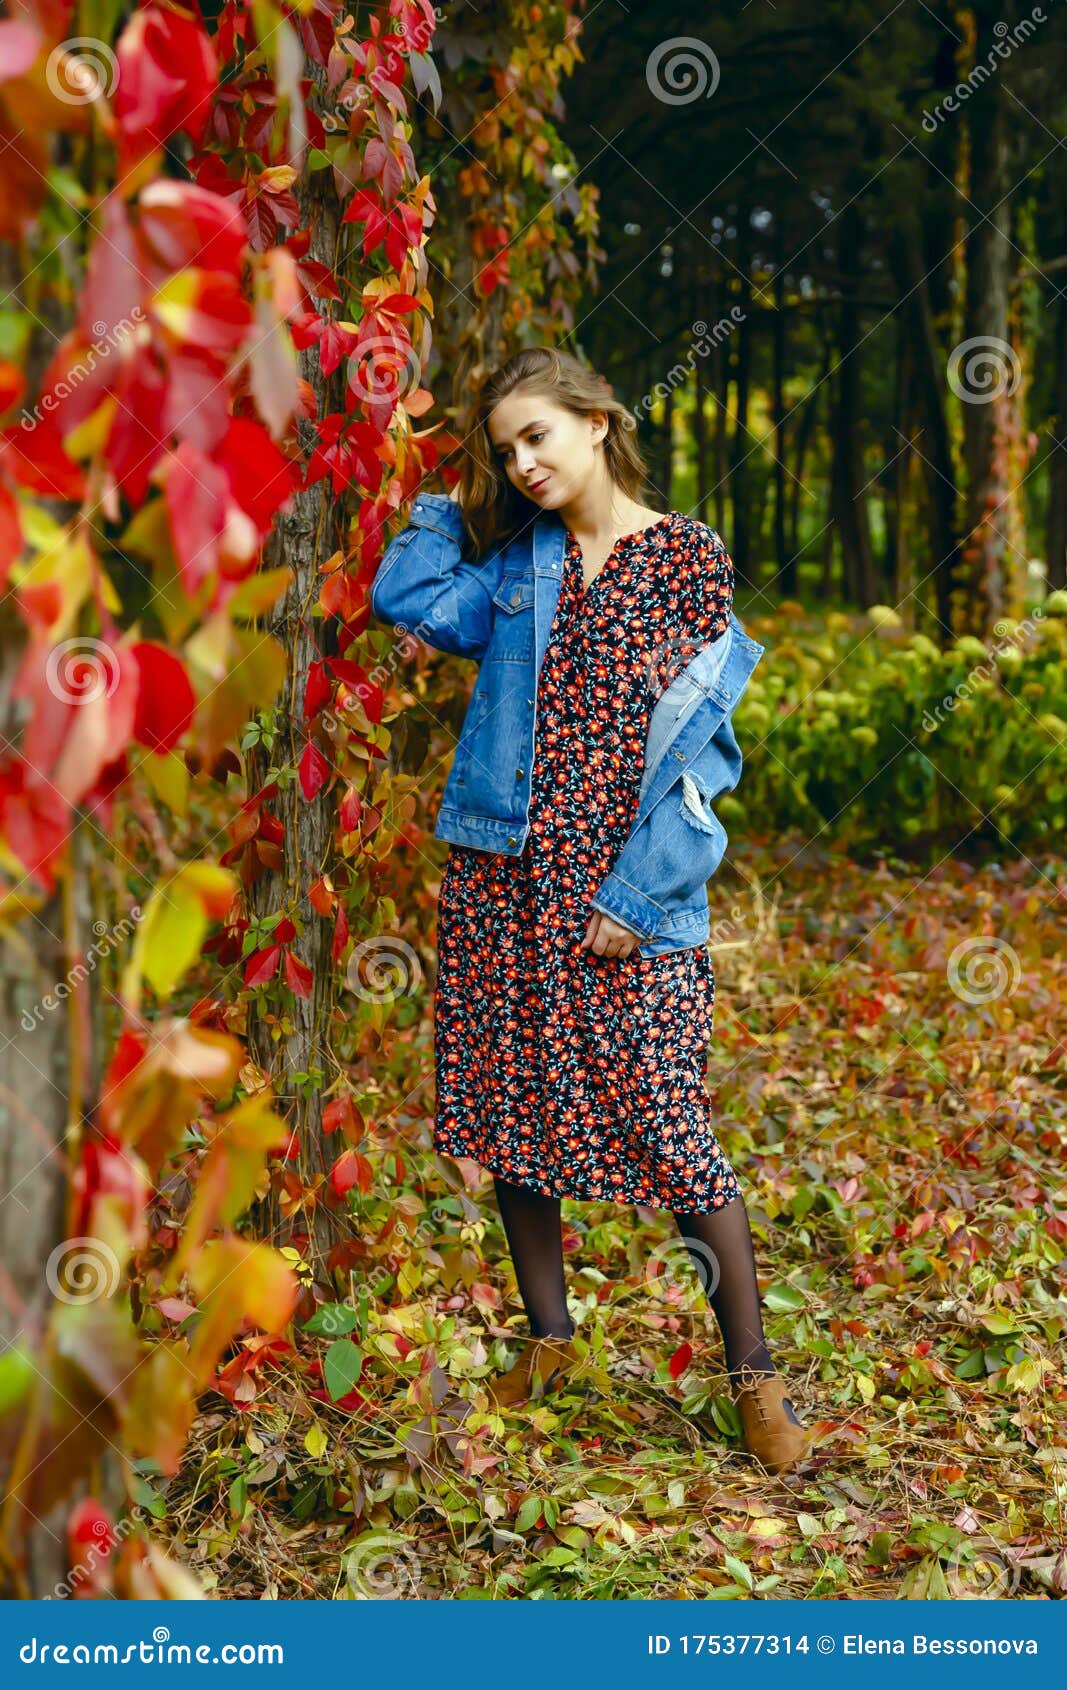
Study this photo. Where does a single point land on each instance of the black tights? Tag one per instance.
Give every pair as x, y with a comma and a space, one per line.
719, 1243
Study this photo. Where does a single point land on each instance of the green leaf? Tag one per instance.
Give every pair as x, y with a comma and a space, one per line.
784, 1299
528, 1514
16, 1377
332, 1320
342, 1367
738, 1570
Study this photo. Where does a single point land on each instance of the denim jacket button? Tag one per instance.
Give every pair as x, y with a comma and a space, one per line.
512, 840
520, 773
529, 701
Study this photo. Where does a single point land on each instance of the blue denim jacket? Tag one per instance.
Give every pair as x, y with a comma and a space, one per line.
500, 612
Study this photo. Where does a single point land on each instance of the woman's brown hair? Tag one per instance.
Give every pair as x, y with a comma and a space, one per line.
494, 510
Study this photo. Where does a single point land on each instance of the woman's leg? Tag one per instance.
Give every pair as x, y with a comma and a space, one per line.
535, 1240
720, 1245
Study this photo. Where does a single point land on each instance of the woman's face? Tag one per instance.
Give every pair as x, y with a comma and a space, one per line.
545, 450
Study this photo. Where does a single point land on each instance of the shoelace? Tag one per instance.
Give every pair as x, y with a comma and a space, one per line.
749, 1380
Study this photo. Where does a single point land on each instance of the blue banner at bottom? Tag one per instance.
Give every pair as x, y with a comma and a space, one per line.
452, 1644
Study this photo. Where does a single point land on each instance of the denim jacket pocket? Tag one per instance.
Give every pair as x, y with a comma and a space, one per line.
512, 638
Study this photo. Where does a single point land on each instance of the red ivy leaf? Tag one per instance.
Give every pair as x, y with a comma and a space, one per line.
680, 1360
261, 965
318, 690
298, 976
314, 770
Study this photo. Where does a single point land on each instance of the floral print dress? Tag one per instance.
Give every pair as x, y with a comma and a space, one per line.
577, 1075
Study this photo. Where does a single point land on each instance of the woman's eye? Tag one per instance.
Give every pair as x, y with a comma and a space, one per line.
507, 450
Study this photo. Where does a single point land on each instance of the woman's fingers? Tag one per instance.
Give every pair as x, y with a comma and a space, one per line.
606, 938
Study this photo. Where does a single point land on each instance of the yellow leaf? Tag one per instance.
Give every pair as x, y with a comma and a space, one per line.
864, 1385
168, 778
769, 1526
174, 925
316, 1442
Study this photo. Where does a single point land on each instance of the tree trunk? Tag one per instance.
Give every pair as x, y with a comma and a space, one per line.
1056, 523
740, 478
927, 364
720, 387
780, 547
309, 533
847, 476
991, 580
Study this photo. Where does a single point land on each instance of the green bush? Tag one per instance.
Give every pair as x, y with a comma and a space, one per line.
867, 736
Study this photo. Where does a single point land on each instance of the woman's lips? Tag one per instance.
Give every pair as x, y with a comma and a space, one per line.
540, 485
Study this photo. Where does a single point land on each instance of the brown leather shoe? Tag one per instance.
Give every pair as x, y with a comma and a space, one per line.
542, 1365
770, 1435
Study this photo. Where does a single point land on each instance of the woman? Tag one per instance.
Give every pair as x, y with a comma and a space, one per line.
570, 1046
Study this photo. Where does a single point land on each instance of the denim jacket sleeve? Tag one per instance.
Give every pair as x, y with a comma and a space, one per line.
675, 851
423, 586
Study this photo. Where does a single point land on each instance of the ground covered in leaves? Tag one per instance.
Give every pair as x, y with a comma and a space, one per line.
888, 1071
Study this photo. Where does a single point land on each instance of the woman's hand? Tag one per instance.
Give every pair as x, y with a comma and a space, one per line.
608, 938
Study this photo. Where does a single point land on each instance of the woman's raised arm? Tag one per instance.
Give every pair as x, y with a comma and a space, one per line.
424, 587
